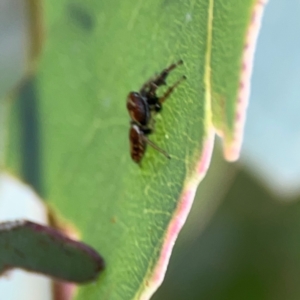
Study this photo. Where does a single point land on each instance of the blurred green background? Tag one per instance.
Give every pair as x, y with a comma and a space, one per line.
250, 249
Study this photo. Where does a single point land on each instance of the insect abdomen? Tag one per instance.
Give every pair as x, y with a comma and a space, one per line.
137, 143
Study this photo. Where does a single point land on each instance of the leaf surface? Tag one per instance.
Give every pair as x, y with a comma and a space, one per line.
121, 209
98, 51
236, 26
38, 248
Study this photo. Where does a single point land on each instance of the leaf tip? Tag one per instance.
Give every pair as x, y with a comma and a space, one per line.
232, 146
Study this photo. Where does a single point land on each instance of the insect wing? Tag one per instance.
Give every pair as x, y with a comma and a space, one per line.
137, 143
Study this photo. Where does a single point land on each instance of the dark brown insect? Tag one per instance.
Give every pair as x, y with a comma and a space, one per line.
142, 106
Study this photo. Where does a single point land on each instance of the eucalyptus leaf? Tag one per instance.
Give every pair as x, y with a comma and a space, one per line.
96, 53
38, 248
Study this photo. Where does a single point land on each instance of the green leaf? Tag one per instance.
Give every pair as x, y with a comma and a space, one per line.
235, 28
121, 209
98, 51
38, 248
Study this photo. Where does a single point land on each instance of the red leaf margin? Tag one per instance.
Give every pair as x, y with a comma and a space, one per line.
232, 148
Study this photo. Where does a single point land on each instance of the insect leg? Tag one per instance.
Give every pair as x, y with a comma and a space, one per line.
161, 78
152, 84
154, 146
170, 90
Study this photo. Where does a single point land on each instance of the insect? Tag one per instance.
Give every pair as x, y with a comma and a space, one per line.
142, 106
